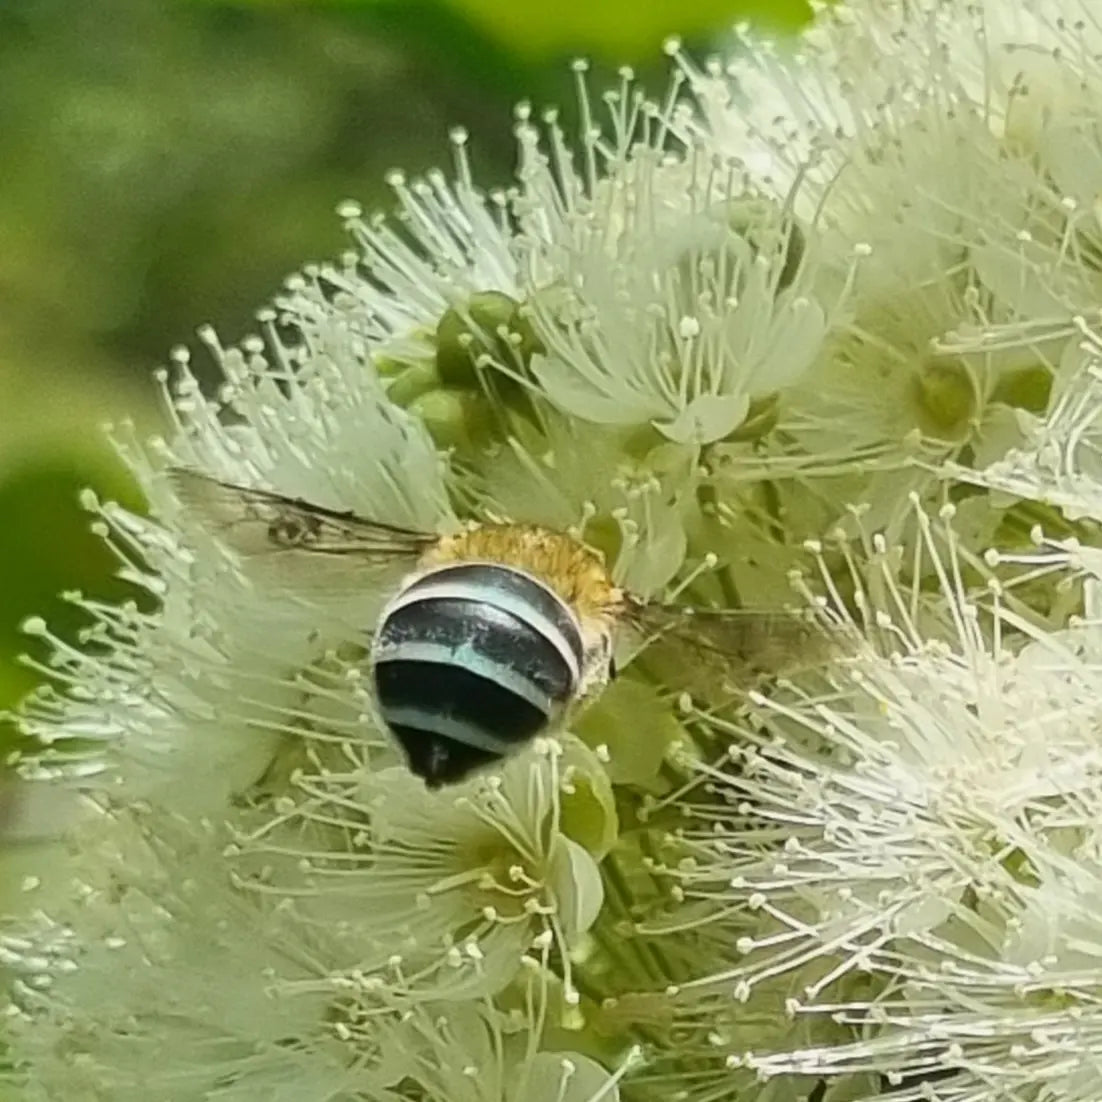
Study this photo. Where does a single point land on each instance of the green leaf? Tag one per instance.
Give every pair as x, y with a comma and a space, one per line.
46, 548
588, 805
635, 725
619, 30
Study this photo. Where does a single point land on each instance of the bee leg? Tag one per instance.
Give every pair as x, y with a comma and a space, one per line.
612, 670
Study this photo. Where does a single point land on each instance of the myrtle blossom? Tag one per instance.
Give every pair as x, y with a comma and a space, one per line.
153, 892
848, 835
440, 897
682, 294
819, 327
930, 140
447, 242
221, 657
150, 890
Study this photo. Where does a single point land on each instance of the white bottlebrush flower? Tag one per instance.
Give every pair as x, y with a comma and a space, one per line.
680, 294
91, 1010
937, 139
764, 312
206, 686
884, 845
1000, 1002
449, 242
449, 891
90, 1007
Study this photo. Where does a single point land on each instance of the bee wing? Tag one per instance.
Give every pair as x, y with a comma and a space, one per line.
727, 650
301, 542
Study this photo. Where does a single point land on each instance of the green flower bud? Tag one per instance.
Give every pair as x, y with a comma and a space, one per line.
1027, 388
946, 397
412, 382
489, 325
455, 418
388, 367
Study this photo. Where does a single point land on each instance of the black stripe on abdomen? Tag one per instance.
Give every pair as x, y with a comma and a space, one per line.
449, 721
472, 633
441, 698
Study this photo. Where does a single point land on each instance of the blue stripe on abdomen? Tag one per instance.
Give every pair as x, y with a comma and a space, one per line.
508, 589
476, 636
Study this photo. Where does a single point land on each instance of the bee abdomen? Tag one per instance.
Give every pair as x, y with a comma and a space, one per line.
471, 661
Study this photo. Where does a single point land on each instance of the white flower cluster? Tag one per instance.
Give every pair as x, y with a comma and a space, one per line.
834, 308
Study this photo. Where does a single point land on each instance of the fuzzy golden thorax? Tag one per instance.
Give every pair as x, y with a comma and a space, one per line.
575, 572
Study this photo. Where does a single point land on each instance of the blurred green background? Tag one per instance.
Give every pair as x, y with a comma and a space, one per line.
166, 165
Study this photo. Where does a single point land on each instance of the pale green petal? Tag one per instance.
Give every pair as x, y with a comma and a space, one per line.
707, 418
658, 553
585, 399
569, 1077
576, 881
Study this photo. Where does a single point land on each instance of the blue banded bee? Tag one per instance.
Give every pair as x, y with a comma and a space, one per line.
496, 633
